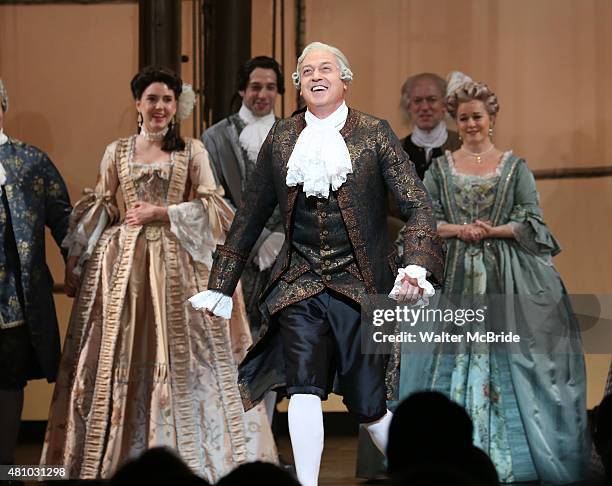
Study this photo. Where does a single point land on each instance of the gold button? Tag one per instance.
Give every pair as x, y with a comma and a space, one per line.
326, 247
325, 232
323, 214
327, 263
327, 277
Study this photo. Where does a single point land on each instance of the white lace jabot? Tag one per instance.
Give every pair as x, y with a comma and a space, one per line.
254, 134
320, 158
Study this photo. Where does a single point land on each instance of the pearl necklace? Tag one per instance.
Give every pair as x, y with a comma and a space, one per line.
153, 136
478, 156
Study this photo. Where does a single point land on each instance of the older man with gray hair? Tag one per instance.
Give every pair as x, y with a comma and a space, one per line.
329, 170
423, 102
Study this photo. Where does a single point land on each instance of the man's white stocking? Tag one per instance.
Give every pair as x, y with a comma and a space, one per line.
305, 418
379, 431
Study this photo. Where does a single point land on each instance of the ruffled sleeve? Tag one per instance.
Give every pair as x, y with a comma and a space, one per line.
201, 223
95, 211
526, 220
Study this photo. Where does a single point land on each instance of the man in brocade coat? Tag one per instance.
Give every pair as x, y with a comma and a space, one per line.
329, 170
32, 195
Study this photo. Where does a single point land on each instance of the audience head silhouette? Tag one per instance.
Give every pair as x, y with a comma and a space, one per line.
258, 473
431, 436
157, 466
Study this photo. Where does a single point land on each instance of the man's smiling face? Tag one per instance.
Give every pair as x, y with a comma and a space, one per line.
321, 86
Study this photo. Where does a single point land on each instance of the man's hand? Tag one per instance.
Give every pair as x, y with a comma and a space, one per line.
410, 292
143, 212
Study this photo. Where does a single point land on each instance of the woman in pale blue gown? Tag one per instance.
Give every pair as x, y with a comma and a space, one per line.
528, 405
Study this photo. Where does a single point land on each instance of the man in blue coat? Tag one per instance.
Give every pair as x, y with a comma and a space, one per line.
32, 195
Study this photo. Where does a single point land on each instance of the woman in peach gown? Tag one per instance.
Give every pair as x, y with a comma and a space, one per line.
140, 368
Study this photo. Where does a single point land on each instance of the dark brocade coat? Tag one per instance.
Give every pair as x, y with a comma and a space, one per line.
380, 165
35, 196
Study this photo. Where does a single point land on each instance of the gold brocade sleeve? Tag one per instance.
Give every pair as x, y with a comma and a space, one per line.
422, 244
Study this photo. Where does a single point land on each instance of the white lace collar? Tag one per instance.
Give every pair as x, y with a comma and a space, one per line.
493, 173
254, 134
320, 158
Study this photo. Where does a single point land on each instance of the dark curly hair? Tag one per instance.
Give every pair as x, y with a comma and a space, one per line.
152, 74
263, 62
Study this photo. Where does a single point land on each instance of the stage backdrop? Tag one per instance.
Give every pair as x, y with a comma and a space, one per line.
67, 70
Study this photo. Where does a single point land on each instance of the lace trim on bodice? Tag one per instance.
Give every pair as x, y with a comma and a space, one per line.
490, 175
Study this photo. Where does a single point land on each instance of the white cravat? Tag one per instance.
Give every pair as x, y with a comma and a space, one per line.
430, 140
320, 158
254, 134
3, 140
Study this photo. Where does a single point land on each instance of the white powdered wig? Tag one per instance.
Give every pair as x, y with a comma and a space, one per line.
345, 69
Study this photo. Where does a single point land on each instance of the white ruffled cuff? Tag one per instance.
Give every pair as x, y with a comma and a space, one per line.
269, 250
214, 301
418, 272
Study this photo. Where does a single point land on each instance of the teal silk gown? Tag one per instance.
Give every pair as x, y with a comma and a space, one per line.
528, 407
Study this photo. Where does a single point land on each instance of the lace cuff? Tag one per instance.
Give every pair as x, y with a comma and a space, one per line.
214, 301
90, 217
189, 223
418, 272
269, 250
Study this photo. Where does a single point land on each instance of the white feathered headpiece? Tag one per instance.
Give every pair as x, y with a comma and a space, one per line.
455, 80
186, 102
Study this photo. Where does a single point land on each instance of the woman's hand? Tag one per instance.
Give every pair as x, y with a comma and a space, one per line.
503, 231
71, 280
143, 213
471, 233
